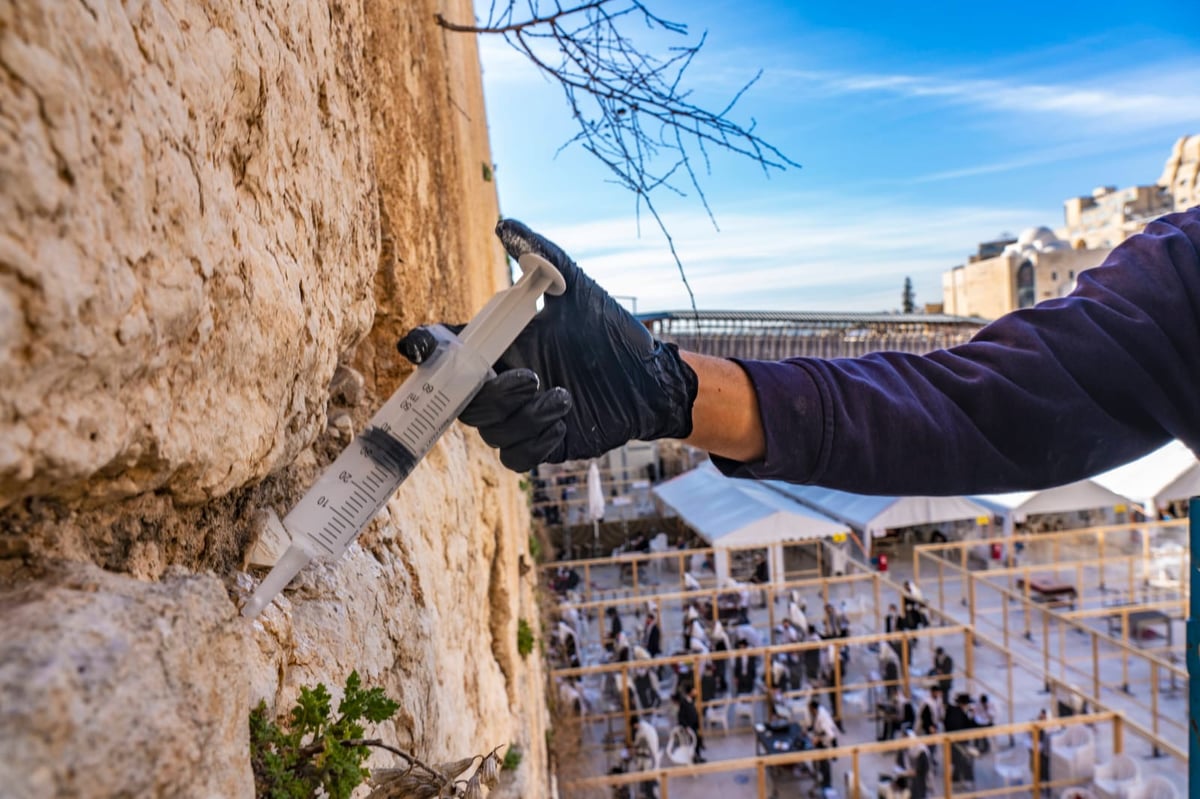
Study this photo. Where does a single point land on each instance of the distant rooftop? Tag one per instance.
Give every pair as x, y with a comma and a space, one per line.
800, 318
823, 334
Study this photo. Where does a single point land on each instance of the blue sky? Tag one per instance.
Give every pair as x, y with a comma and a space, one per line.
921, 128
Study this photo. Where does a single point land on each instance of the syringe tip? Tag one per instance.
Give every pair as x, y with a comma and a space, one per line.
254, 606
293, 560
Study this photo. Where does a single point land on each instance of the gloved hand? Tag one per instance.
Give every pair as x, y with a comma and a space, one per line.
584, 377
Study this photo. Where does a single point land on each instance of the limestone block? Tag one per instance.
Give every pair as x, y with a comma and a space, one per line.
114, 687
188, 230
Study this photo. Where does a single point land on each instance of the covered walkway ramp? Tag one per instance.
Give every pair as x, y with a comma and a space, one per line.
873, 516
1082, 495
742, 514
1168, 474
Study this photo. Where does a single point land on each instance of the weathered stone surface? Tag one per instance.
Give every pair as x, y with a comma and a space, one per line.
206, 211
188, 231
114, 687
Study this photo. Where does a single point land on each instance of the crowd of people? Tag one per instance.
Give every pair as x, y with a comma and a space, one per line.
809, 676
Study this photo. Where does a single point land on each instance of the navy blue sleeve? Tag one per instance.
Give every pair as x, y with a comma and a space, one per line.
1040, 397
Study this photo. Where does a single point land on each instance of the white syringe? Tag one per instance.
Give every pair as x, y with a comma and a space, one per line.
362, 479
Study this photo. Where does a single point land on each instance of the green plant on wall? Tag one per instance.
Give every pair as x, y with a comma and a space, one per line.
524, 637
315, 750
314, 753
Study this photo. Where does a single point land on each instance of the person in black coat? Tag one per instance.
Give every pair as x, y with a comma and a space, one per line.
652, 638
891, 619
943, 665
614, 628
893, 622
745, 669
958, 718
812, 657
708, 683
689, 717
914, 764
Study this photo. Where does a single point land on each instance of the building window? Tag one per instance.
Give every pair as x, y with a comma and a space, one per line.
1054, 276
1071, 274
1025, 288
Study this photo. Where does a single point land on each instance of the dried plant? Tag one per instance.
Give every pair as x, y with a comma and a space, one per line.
420, 781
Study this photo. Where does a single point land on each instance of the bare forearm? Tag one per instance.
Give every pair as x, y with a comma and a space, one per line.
725, 418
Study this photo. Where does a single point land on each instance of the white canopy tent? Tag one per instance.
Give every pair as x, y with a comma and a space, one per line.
874, 515
1165, 475
1081, 495
734, 514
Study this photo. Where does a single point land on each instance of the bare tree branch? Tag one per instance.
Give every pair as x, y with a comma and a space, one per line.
633, 116
450, 26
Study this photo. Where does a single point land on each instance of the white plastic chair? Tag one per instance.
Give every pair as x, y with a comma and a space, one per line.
1072, 754
1012, 766
717, 716
1118, 778
854, 700
681, 746
743, 710
1156, 788
646, 753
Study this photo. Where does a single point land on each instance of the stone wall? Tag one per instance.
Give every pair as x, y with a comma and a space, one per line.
215, 219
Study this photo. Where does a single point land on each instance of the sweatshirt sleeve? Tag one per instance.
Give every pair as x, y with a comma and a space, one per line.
1040, 397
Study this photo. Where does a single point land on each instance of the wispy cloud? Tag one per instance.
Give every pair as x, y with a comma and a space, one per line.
815, 257
1124, 101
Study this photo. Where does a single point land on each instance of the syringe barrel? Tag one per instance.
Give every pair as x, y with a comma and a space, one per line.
361, 480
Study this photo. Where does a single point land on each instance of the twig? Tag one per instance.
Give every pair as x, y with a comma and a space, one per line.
451, 26
632, 112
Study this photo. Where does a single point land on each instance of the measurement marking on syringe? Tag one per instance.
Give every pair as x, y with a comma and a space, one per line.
389, 462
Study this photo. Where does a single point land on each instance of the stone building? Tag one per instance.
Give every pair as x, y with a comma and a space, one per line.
1036, 266
1181, 174
1110, 215
1008, 274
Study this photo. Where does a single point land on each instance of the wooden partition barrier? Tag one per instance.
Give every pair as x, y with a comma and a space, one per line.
1072, 652
639, 563
941, 742
835, 692
773, 591
1106, 540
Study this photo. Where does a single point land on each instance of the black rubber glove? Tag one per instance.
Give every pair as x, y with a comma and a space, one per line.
583, 378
